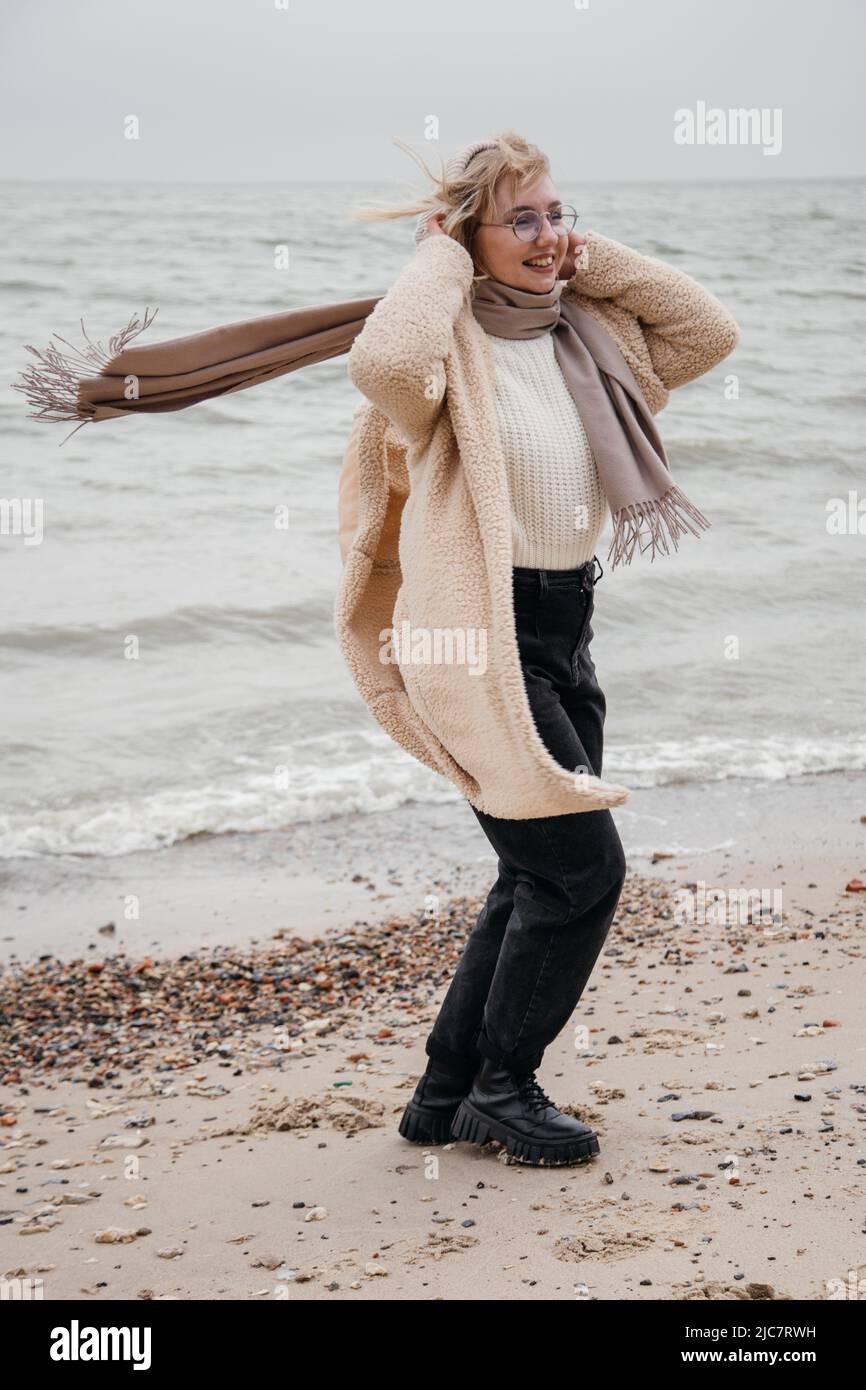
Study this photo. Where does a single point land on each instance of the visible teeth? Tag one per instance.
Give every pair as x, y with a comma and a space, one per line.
541, 260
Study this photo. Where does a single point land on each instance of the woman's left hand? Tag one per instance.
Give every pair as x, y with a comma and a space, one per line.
576, 243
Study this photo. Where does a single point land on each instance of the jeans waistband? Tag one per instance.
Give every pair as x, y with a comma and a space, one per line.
542, 580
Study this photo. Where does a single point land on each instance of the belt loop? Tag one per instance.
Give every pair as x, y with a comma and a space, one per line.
542, 575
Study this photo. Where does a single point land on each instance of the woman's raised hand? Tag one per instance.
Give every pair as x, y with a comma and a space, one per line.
576, 243
433, 225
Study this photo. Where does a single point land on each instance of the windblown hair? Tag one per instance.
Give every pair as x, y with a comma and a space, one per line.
471, 198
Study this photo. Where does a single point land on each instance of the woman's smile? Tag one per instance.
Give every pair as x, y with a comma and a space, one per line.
542, 265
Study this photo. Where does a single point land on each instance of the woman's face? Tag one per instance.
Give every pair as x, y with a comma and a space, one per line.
498, 252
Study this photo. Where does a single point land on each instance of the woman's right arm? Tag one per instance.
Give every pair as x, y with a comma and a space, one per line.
398, 359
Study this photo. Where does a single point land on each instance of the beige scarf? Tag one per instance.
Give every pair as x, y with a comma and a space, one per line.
184, 371
647, 507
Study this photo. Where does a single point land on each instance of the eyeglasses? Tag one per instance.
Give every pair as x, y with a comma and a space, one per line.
527, 225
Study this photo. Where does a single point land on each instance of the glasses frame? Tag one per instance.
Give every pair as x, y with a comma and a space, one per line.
530, 212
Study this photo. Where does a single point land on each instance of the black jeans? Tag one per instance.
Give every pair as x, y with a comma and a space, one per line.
539, 934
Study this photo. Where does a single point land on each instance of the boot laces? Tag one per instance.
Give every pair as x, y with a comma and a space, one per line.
528, 1089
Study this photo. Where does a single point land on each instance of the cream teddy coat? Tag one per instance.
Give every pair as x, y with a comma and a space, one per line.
425, 516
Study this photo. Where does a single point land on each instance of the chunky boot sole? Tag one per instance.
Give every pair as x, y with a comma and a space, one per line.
420, 1127
475, 1127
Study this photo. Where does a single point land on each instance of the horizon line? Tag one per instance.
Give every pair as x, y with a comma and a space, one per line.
277, 182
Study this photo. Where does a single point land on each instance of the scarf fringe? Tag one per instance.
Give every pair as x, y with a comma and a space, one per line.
651, 524
52, 386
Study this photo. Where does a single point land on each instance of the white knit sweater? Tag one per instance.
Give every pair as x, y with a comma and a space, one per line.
558, 505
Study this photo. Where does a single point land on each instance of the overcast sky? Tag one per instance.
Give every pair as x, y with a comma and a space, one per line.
246, 89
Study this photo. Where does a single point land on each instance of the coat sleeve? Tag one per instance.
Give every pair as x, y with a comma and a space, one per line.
398, 359
687, 330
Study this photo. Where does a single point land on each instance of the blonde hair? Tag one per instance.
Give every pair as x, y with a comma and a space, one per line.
470, 198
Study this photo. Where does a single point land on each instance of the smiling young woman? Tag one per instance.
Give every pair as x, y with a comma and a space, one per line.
510, 378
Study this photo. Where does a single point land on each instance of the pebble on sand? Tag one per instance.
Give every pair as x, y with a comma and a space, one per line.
120, 1235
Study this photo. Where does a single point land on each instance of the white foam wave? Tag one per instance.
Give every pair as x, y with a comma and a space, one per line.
715, 759
368, 773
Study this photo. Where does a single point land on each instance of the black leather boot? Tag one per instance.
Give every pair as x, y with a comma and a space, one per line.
512, 1108
428, 1115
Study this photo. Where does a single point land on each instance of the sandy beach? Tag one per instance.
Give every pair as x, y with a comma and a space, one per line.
203, 1103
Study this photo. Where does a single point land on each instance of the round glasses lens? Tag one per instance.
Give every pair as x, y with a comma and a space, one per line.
528, 225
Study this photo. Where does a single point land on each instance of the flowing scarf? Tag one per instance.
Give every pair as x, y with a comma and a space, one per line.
646, 506
183, 371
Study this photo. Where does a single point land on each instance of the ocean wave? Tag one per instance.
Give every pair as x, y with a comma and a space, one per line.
352, 771
716, 759
39, 285
302, 622
823, 293
381, 778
